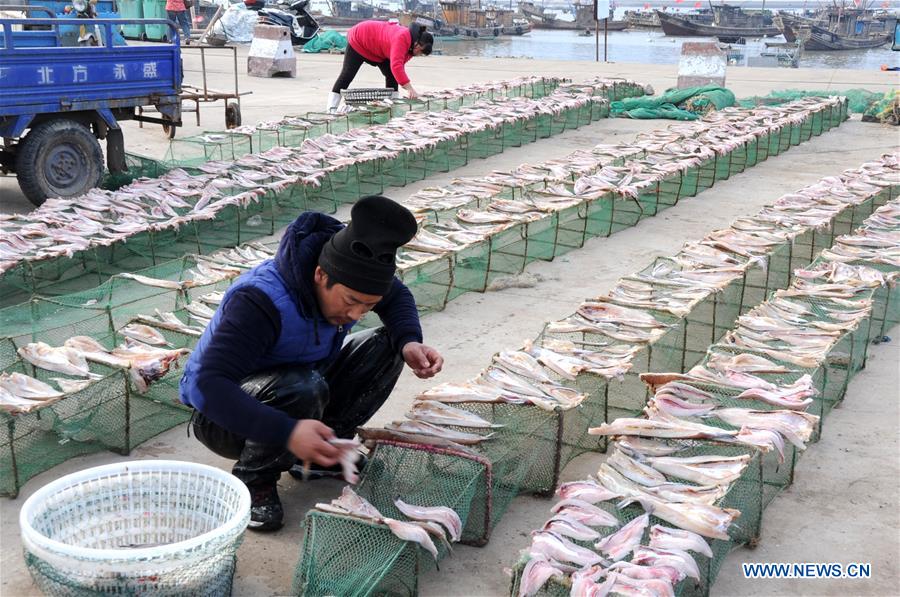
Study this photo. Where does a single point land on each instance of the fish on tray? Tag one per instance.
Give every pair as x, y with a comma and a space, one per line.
661, 428
92, 350
446, 517
432, 411
706, 520
621, 543
169, 321
418, 427
60, 359
796, 427
416, 531
144, 333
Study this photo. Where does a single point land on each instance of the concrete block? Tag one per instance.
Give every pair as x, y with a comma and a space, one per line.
271, 52
701, 63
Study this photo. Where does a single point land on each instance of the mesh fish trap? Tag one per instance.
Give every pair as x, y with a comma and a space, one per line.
341, 555
252, 217
100, 311
744, 495
479, 483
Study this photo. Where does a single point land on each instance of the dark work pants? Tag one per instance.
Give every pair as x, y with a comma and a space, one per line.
343, 395
353, 60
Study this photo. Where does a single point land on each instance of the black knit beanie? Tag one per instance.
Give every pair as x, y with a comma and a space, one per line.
362, 255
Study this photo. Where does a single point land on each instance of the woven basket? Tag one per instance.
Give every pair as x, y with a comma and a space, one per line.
150, 527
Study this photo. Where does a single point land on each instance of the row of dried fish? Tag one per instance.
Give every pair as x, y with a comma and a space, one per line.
469, 92
632, 311
143, 354
538, 197
696, 141
101, 218
635, 314
875, 242
647, 465
586, 540
487, 89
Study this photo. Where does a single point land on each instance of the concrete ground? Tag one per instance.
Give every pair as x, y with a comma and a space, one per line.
844, 505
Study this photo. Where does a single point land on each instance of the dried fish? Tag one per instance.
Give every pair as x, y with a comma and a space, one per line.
412, 532
438, 413
25, 386
660, 428
553, 546
625, 540
144, 333
15, 404
94, 351
583, 512
668, 538
587, 490
62, 359
706, 520
423, 428
442, 515
71, 386
796, 427
169, 321
636, 471
703, 470
571, 528
673, 558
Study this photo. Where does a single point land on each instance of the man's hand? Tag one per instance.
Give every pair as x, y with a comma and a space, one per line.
309, 443
424, 360
411, 93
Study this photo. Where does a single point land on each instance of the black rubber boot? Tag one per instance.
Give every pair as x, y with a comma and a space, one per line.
266, 513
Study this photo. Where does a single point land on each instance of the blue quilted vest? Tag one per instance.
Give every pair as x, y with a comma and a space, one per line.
296, 344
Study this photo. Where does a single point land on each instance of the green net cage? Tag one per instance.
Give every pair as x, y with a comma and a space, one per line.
293, 130
744, 495
100, 311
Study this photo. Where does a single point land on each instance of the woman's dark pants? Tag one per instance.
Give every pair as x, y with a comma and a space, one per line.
353, 60
344, 395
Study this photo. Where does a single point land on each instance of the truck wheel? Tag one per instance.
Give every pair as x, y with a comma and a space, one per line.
169, 129
232, 115
58, 158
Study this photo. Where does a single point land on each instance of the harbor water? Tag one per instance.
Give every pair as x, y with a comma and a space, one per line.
649, 47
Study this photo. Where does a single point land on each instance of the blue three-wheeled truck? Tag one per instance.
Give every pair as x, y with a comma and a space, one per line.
56, 102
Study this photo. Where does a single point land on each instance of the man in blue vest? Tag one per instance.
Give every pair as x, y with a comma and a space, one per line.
275, 376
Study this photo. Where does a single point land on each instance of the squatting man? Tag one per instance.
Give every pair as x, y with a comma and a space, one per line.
276, 374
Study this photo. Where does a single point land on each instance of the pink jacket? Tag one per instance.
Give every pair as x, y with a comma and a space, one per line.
175, 5
377, 41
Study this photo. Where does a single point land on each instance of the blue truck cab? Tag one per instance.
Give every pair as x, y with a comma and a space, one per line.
57, 103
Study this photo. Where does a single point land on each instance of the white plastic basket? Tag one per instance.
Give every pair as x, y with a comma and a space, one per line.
159, 527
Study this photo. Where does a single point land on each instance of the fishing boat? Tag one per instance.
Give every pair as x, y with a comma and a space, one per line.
518, 26
823, 40
838, 29
793, 26
345, 13
539, 18
637, 19
460, 20
727, 21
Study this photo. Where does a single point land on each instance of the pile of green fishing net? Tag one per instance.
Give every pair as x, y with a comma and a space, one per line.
676, 104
